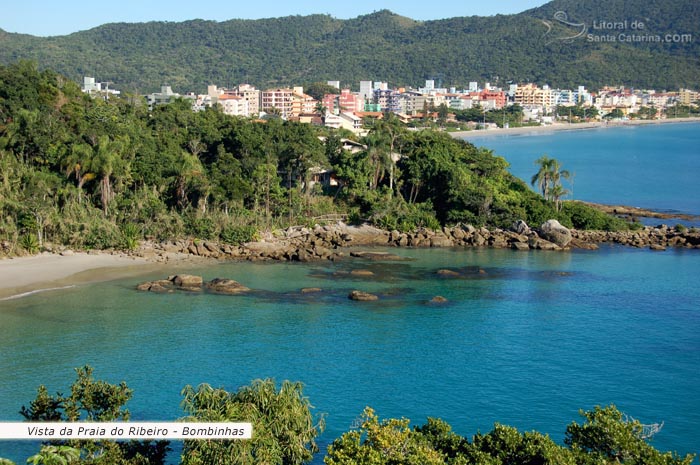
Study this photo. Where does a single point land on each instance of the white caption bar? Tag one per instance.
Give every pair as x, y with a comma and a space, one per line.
135, 430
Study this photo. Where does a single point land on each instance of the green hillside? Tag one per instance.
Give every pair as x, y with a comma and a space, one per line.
381, 46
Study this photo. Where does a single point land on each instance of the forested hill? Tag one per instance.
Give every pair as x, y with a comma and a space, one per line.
385, 46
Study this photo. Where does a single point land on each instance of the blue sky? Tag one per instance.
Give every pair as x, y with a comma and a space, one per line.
59, 17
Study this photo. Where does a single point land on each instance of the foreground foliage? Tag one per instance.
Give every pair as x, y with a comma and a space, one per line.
285, 431
284, 428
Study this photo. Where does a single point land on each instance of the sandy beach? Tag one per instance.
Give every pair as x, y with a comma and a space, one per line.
567, 127
19, 276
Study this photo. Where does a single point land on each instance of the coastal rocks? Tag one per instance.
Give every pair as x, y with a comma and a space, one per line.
521, 227
192, 283
160, 286
305, 244
226, 286
362, 296
554, 232
187, 281
659, 236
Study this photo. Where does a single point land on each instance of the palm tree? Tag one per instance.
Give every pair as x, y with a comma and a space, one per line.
77, 163
188, 167
109, 161
548, 179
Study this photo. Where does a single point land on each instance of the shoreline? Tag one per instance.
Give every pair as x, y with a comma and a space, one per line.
557, 127
24, 276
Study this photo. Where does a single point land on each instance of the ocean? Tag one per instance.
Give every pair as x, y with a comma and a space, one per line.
655, 167
525, 339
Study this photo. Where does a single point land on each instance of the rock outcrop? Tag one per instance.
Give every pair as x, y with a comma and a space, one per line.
555, 233
327, 242
192, 283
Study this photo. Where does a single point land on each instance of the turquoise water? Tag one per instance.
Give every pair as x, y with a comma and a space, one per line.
655, 167
527, 343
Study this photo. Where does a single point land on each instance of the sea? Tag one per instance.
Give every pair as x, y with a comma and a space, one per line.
525, 339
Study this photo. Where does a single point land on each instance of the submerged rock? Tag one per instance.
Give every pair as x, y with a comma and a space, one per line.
447, 273
377, 256
311, 290
362, 296
362, 273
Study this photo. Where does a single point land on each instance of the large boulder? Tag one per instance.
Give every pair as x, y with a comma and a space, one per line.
187, 281
554, 232
226, 286
521, 227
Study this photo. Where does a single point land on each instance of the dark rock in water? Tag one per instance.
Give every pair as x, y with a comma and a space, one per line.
447, 273
362, 296
554, 232
311, 290
438, 299
226, 286
187, 281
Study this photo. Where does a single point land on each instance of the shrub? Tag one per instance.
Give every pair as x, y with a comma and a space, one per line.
201, 227
29, 243
237, 235
679, 228
130, 236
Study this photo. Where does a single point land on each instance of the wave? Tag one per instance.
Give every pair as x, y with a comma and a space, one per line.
37, 291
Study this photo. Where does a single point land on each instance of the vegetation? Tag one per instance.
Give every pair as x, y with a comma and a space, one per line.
284, 430
548, 180
381, 45
94, 401
90, 173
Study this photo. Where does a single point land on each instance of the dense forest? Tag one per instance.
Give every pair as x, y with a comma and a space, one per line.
383, 46
286, 427
91, 173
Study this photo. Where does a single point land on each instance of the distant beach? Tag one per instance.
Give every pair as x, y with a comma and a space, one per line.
567, 127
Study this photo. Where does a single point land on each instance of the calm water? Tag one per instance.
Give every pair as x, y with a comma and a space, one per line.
655, 167
529, 342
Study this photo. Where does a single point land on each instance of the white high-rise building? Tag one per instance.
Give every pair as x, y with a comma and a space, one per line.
366, 90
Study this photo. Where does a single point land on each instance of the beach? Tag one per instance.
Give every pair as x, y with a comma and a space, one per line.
568, 127
19, 276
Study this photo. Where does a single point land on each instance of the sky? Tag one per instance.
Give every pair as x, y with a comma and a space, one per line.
60, 17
